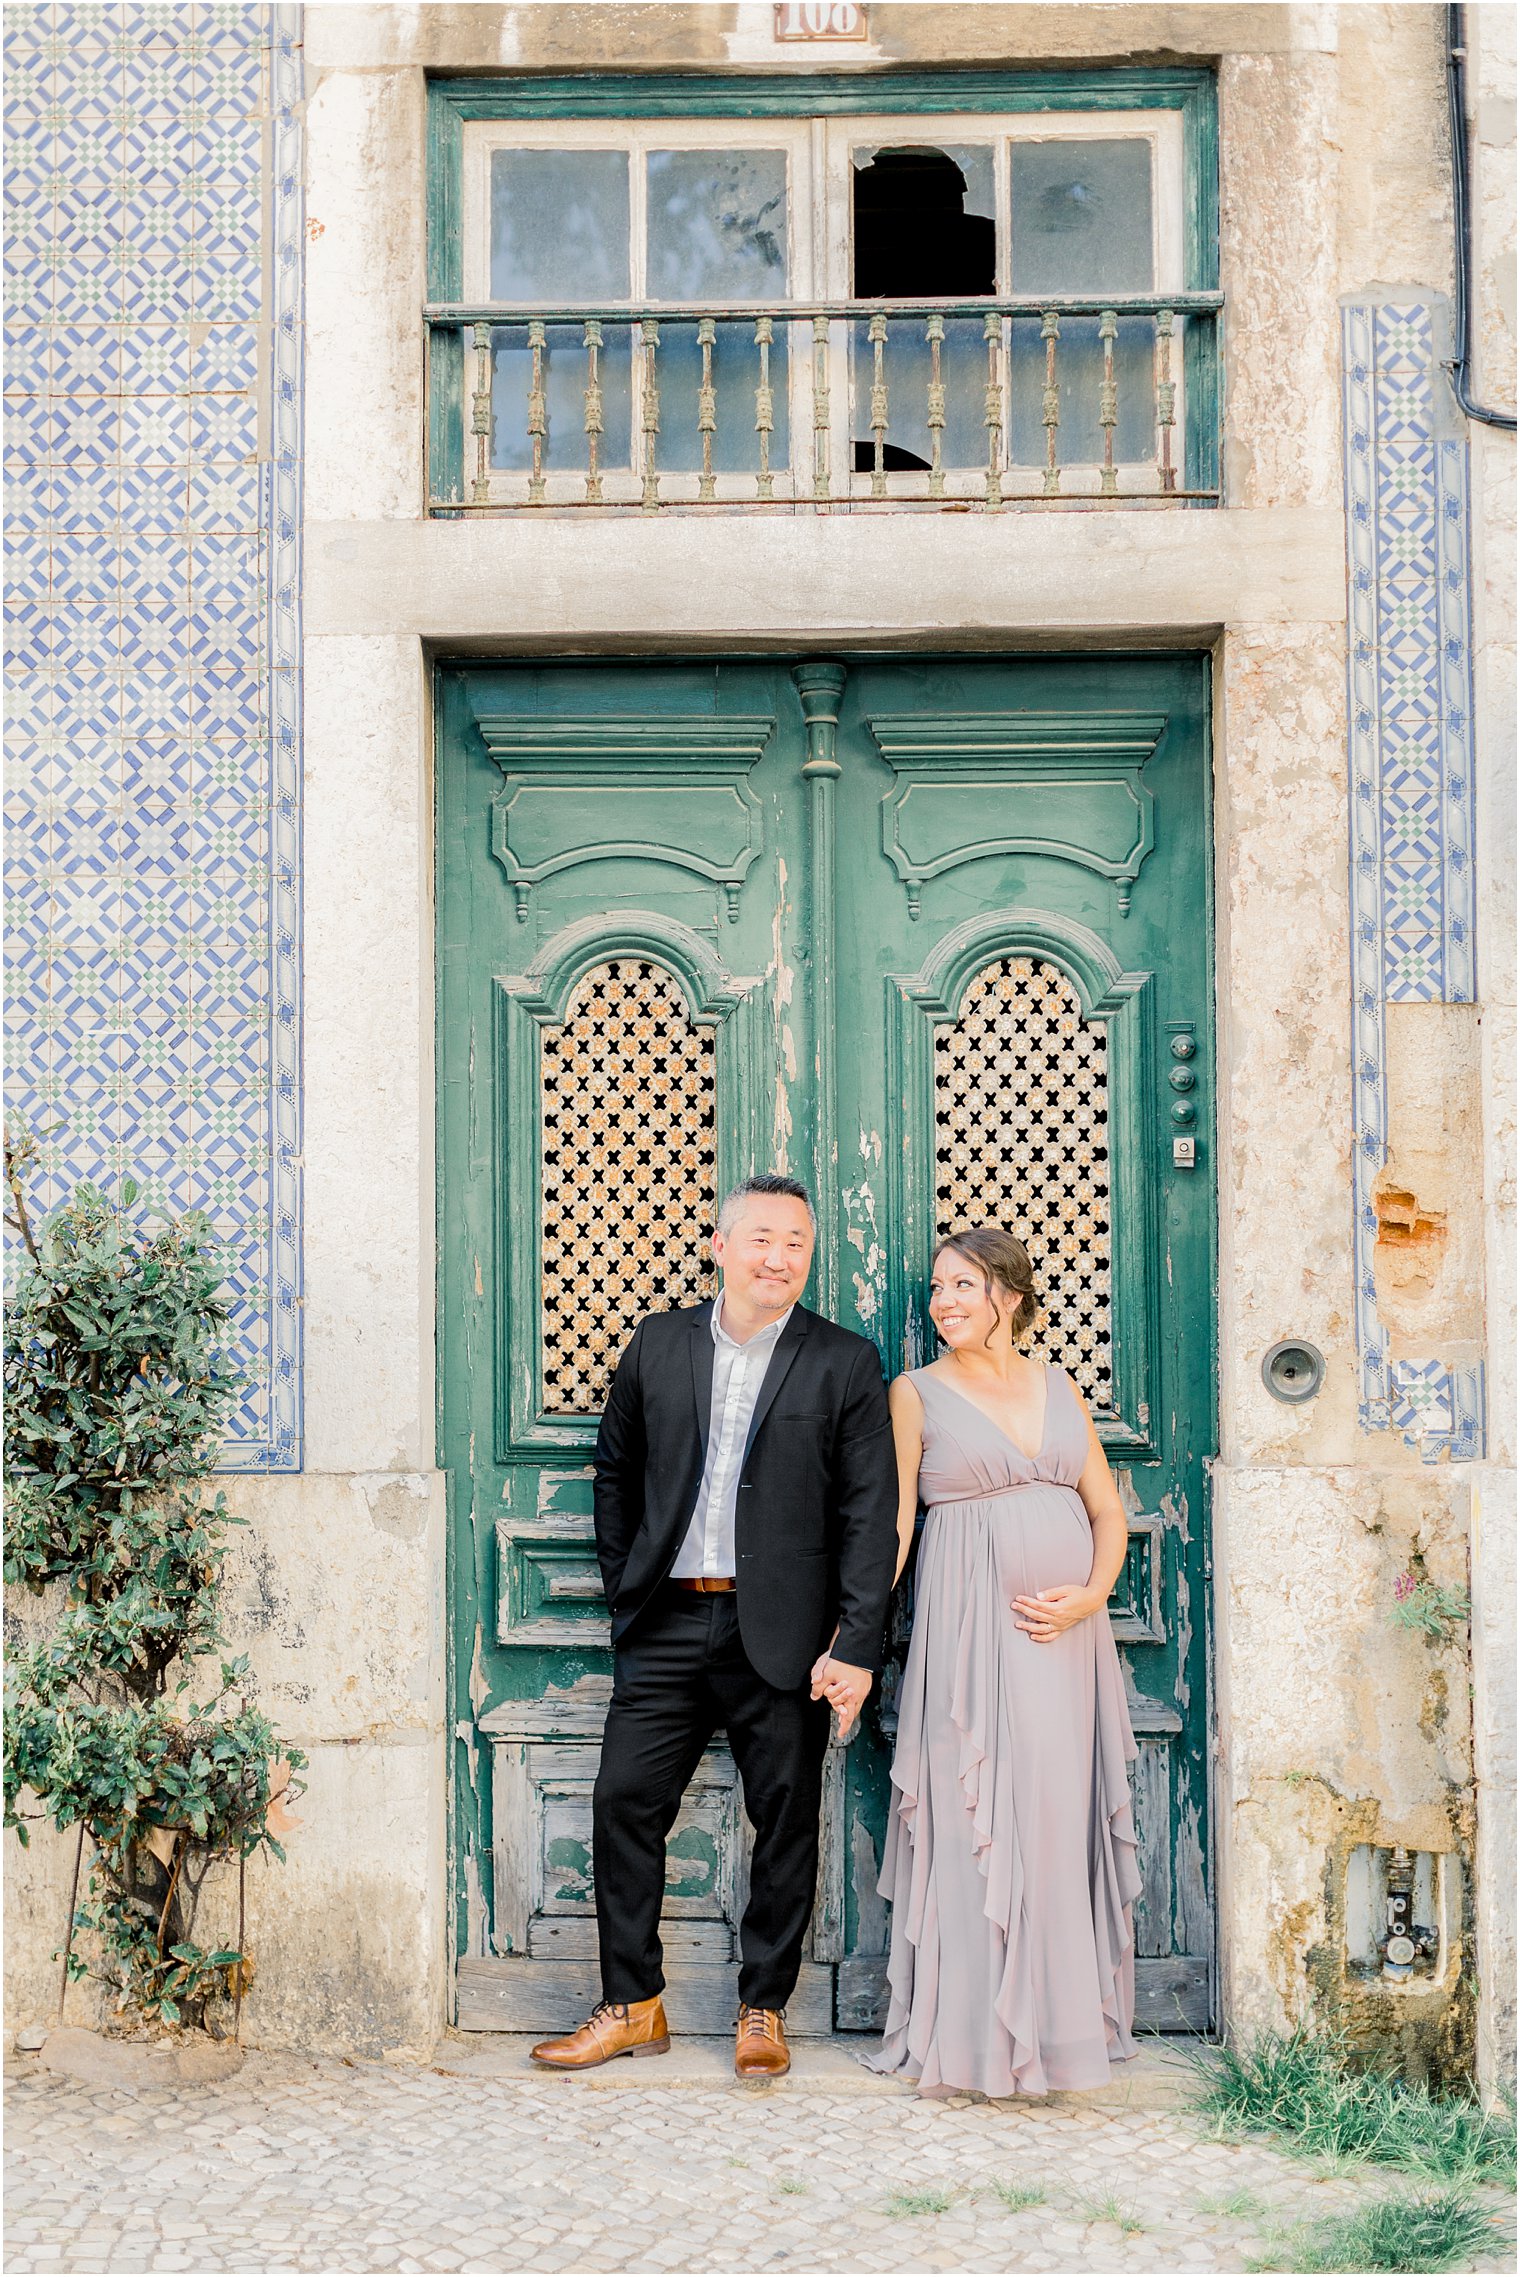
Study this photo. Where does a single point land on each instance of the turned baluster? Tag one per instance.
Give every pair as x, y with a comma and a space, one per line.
936, 335
765, 408
1166, 397
480, 416
992, 333
820, 407
1050, 411
538, 412
1108, 399
594, 424
649, 333
707, 406
877, 334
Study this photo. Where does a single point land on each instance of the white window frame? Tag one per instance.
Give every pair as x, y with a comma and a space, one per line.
819, 267
1162, 130
638, 137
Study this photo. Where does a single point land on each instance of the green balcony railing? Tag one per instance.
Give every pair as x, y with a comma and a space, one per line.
989, 403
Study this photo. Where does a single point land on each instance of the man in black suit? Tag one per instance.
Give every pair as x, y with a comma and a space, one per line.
746, 1521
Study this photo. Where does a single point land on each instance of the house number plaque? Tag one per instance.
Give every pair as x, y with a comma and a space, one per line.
820, 20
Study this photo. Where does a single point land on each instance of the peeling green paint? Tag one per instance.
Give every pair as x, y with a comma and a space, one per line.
754, 967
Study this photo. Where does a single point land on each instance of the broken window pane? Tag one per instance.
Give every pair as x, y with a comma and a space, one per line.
923, 223
717, 232
1082, 224
923, 229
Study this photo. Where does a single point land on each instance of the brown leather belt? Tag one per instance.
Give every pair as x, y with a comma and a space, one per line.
709, 1584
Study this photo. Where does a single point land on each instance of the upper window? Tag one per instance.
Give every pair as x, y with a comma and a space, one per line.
959, 306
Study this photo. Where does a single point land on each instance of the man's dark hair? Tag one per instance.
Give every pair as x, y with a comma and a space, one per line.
765, 1182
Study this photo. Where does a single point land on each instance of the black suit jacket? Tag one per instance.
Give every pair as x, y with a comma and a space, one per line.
816, 1522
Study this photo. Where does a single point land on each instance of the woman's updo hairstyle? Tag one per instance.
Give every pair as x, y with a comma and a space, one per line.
1005, 1268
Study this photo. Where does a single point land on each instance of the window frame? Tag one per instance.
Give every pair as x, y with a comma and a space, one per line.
850, 381
637, 137
834, 108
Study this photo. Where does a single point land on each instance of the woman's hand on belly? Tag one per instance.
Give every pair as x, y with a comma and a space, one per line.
1052, 1612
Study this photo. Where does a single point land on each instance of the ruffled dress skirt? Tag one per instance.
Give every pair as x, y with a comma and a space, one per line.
1010, 1861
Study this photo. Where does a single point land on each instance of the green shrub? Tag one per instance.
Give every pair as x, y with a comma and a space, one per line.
118, 1393
1303, 2085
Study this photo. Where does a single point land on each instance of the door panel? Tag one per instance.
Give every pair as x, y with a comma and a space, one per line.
618, 1049
1036, 934
933, 935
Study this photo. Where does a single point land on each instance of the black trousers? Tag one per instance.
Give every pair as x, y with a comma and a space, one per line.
681, 1676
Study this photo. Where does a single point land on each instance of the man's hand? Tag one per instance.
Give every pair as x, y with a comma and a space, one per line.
844, 1687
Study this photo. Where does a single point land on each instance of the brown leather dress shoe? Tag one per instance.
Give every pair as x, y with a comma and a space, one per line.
760, 2050
614, 2028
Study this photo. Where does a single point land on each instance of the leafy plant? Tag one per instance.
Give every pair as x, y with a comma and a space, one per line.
117, 1395
1436, 2230
1430, 1608
1304, 2086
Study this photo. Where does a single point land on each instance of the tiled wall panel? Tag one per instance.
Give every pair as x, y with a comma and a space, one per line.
1411, 784
153, 459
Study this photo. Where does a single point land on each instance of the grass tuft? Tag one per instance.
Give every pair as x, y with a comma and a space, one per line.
1111, 2208
792, 2186
1302, 2085
1433, 2230
1018, 2197
1237, 2206
920, 2202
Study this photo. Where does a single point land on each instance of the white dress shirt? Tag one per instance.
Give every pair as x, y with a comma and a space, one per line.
739, 1372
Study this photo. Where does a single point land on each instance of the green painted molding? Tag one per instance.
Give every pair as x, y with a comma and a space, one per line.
714, 828
820, 687
865, 93
546, 988
1100, 981
958, 762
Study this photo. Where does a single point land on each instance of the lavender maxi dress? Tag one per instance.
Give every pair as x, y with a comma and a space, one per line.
1010, 1858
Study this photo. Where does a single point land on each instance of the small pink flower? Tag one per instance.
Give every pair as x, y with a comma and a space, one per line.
1405, 1586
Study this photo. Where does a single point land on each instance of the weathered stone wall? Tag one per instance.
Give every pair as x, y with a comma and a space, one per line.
1491, 99
1333, 1727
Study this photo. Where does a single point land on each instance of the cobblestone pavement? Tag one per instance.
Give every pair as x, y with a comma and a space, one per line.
324, 2165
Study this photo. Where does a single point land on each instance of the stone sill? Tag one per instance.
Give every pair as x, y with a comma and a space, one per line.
562, 583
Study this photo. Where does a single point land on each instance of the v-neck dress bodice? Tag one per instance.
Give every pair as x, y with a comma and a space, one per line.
968, 1456
1010, 1859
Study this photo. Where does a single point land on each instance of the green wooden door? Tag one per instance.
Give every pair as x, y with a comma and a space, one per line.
934, 935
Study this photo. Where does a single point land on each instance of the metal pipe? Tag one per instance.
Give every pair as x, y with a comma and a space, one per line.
1456, 97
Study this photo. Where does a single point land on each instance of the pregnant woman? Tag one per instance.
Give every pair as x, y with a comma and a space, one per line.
1010, 1858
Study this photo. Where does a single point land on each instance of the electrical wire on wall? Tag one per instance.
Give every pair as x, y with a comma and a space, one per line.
1456, 94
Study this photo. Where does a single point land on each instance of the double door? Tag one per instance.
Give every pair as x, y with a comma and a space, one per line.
933, 936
